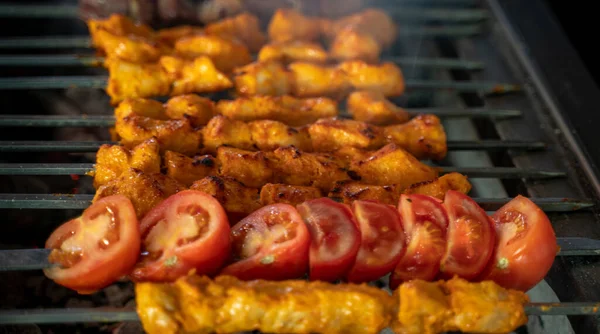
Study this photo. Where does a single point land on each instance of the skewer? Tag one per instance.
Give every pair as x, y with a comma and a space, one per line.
37, 259
92, 146
100, 82
72, 12
82, 201
81, 60
107, 120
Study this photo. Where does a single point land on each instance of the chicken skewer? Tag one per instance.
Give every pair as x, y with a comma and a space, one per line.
201, 305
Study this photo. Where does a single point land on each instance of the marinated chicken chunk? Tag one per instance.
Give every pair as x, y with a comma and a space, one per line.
264, 78
270, 135
351, 191
292, 51
332, 134
244, 27
392, 165
199, 110
286, 109
251, 168
385, 78
372, 107
198, 75
272, 193
186, 170
232, 194
423, 136
225, 52
290, 25
195, 304
222, 131
371, 21
351, 44
169, 36
114, 160
313, 80
145, 190
440, 186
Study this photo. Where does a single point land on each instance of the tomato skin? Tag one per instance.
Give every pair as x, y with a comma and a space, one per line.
425, 220
98, 268
471, 237
382, 241
205, 255
524, 250
335, 238
272, 260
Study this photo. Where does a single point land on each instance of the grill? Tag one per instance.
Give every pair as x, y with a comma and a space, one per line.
465, 61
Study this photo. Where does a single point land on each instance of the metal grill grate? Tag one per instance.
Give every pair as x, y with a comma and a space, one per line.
455, 55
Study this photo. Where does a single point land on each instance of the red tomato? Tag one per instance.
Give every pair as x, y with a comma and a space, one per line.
271, 243
425, 220
97, 248
335, 238
471, 237
187, 231
526, 245
382, 241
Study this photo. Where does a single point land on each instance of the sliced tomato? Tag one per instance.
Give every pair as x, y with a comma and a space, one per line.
97, 248
271, 243
471, 237
382, 241
526, 245
187, 231
425, 221
335, 238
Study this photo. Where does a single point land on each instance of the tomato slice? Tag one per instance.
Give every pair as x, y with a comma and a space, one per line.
382, 241
526, 245
187, 231
271, 243
335, 238
97, 248
425, 221
471, 237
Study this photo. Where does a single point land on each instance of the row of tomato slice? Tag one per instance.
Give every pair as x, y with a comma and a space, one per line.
422, 237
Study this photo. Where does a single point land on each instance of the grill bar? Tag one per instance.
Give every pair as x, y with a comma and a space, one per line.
76, 60
82, 201
59, 82
109, 315
37, 259
92, 146
105, 120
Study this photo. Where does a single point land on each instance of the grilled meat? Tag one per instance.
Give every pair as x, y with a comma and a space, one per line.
233, 195
244, 27
187, 170
374, 22
201, 305
290, 25
304, 79
351, 44
169, 76
292, 51
225, 52
225, 305
372, 107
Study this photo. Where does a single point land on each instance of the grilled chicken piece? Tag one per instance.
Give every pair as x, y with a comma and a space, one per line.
314, 80
222, 131
332, 134
292, 51
226, 53
290, 25
392, 165
385, 78
233, 195
145, 190
286, 109
138, 120
264, 78
113, 160
373, 22
244, 27
169, 36
372, 107
195, 304
270, 135
351, 191
423, 136
272, 193
440, 186
170, 76
251, 168
351, 44
199, 110
186, 170
458, 305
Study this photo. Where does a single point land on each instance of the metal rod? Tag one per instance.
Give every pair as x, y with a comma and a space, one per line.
460, 31
92, 146
83, 169
76, 60
57, 82
54, 42
106, 120
37, 259
440, 14
37, 11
